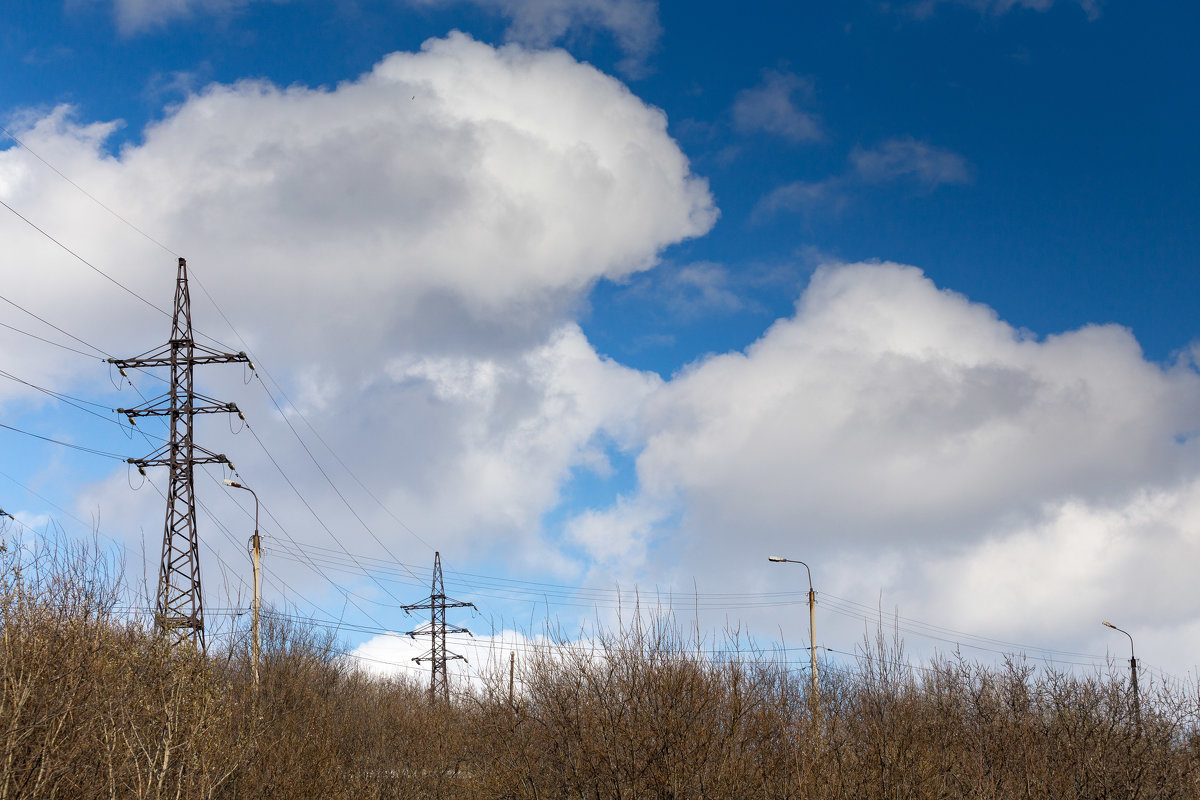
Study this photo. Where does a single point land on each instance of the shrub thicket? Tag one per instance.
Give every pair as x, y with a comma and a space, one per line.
94, 705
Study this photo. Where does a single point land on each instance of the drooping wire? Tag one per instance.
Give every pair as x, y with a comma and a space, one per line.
928, 630
52, 325
94, 526
312, 511
88, 194
47, 341
85, 262
82, 449
333, 453
337, 491
74, 402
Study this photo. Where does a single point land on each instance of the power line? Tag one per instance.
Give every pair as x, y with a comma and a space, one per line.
538, 589
85, 262
328, 480
44, 321
89, 195
94, 526
931, 631
52, 393
71, 401
336, 457
51, 324
80, 448
42, 339
311, 510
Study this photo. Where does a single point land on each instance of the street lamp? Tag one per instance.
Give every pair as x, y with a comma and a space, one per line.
1137, 706
255, 554
812, 618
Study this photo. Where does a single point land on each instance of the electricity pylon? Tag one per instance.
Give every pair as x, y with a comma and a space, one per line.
437, 603
179, 610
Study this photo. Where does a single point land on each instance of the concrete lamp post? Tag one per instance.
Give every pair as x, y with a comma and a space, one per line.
812, 619
255, 556
1133, 678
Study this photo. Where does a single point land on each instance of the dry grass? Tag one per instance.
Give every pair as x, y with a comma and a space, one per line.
92, 705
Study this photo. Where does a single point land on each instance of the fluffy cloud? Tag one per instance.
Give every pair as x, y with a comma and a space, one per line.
1126, 560
771, 107
903, 438
886, 405
402, 251
454, 188
499, 437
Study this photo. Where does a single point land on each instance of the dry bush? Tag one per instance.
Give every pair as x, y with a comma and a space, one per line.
94, 704
640, 712
91, 705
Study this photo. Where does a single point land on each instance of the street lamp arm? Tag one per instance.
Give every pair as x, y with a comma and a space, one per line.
1108, 624
782, 560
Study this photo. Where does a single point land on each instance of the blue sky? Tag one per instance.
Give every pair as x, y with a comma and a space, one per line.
616, 292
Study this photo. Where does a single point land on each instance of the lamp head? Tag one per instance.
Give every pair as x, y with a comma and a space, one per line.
776, 559
1108, 624
233, 483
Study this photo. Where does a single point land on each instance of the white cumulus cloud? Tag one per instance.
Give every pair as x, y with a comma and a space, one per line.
403, 252
902, 438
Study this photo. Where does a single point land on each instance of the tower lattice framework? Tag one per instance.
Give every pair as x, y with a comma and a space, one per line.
179, 609
438, 655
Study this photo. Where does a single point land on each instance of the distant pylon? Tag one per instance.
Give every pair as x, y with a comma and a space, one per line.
437, 603
179, 611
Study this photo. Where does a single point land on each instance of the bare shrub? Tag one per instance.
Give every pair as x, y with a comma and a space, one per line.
95, 704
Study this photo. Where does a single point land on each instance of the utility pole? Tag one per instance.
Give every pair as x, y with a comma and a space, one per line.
1137, 703
812, 624
437, 603
179, 609
255, 557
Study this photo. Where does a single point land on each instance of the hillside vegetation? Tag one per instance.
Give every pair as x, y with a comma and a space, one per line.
95, 706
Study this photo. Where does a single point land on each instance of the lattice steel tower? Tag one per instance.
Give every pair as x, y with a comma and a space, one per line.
437, 603
179, 611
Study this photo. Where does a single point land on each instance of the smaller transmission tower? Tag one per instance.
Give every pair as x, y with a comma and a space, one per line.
437, 603
179, 610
